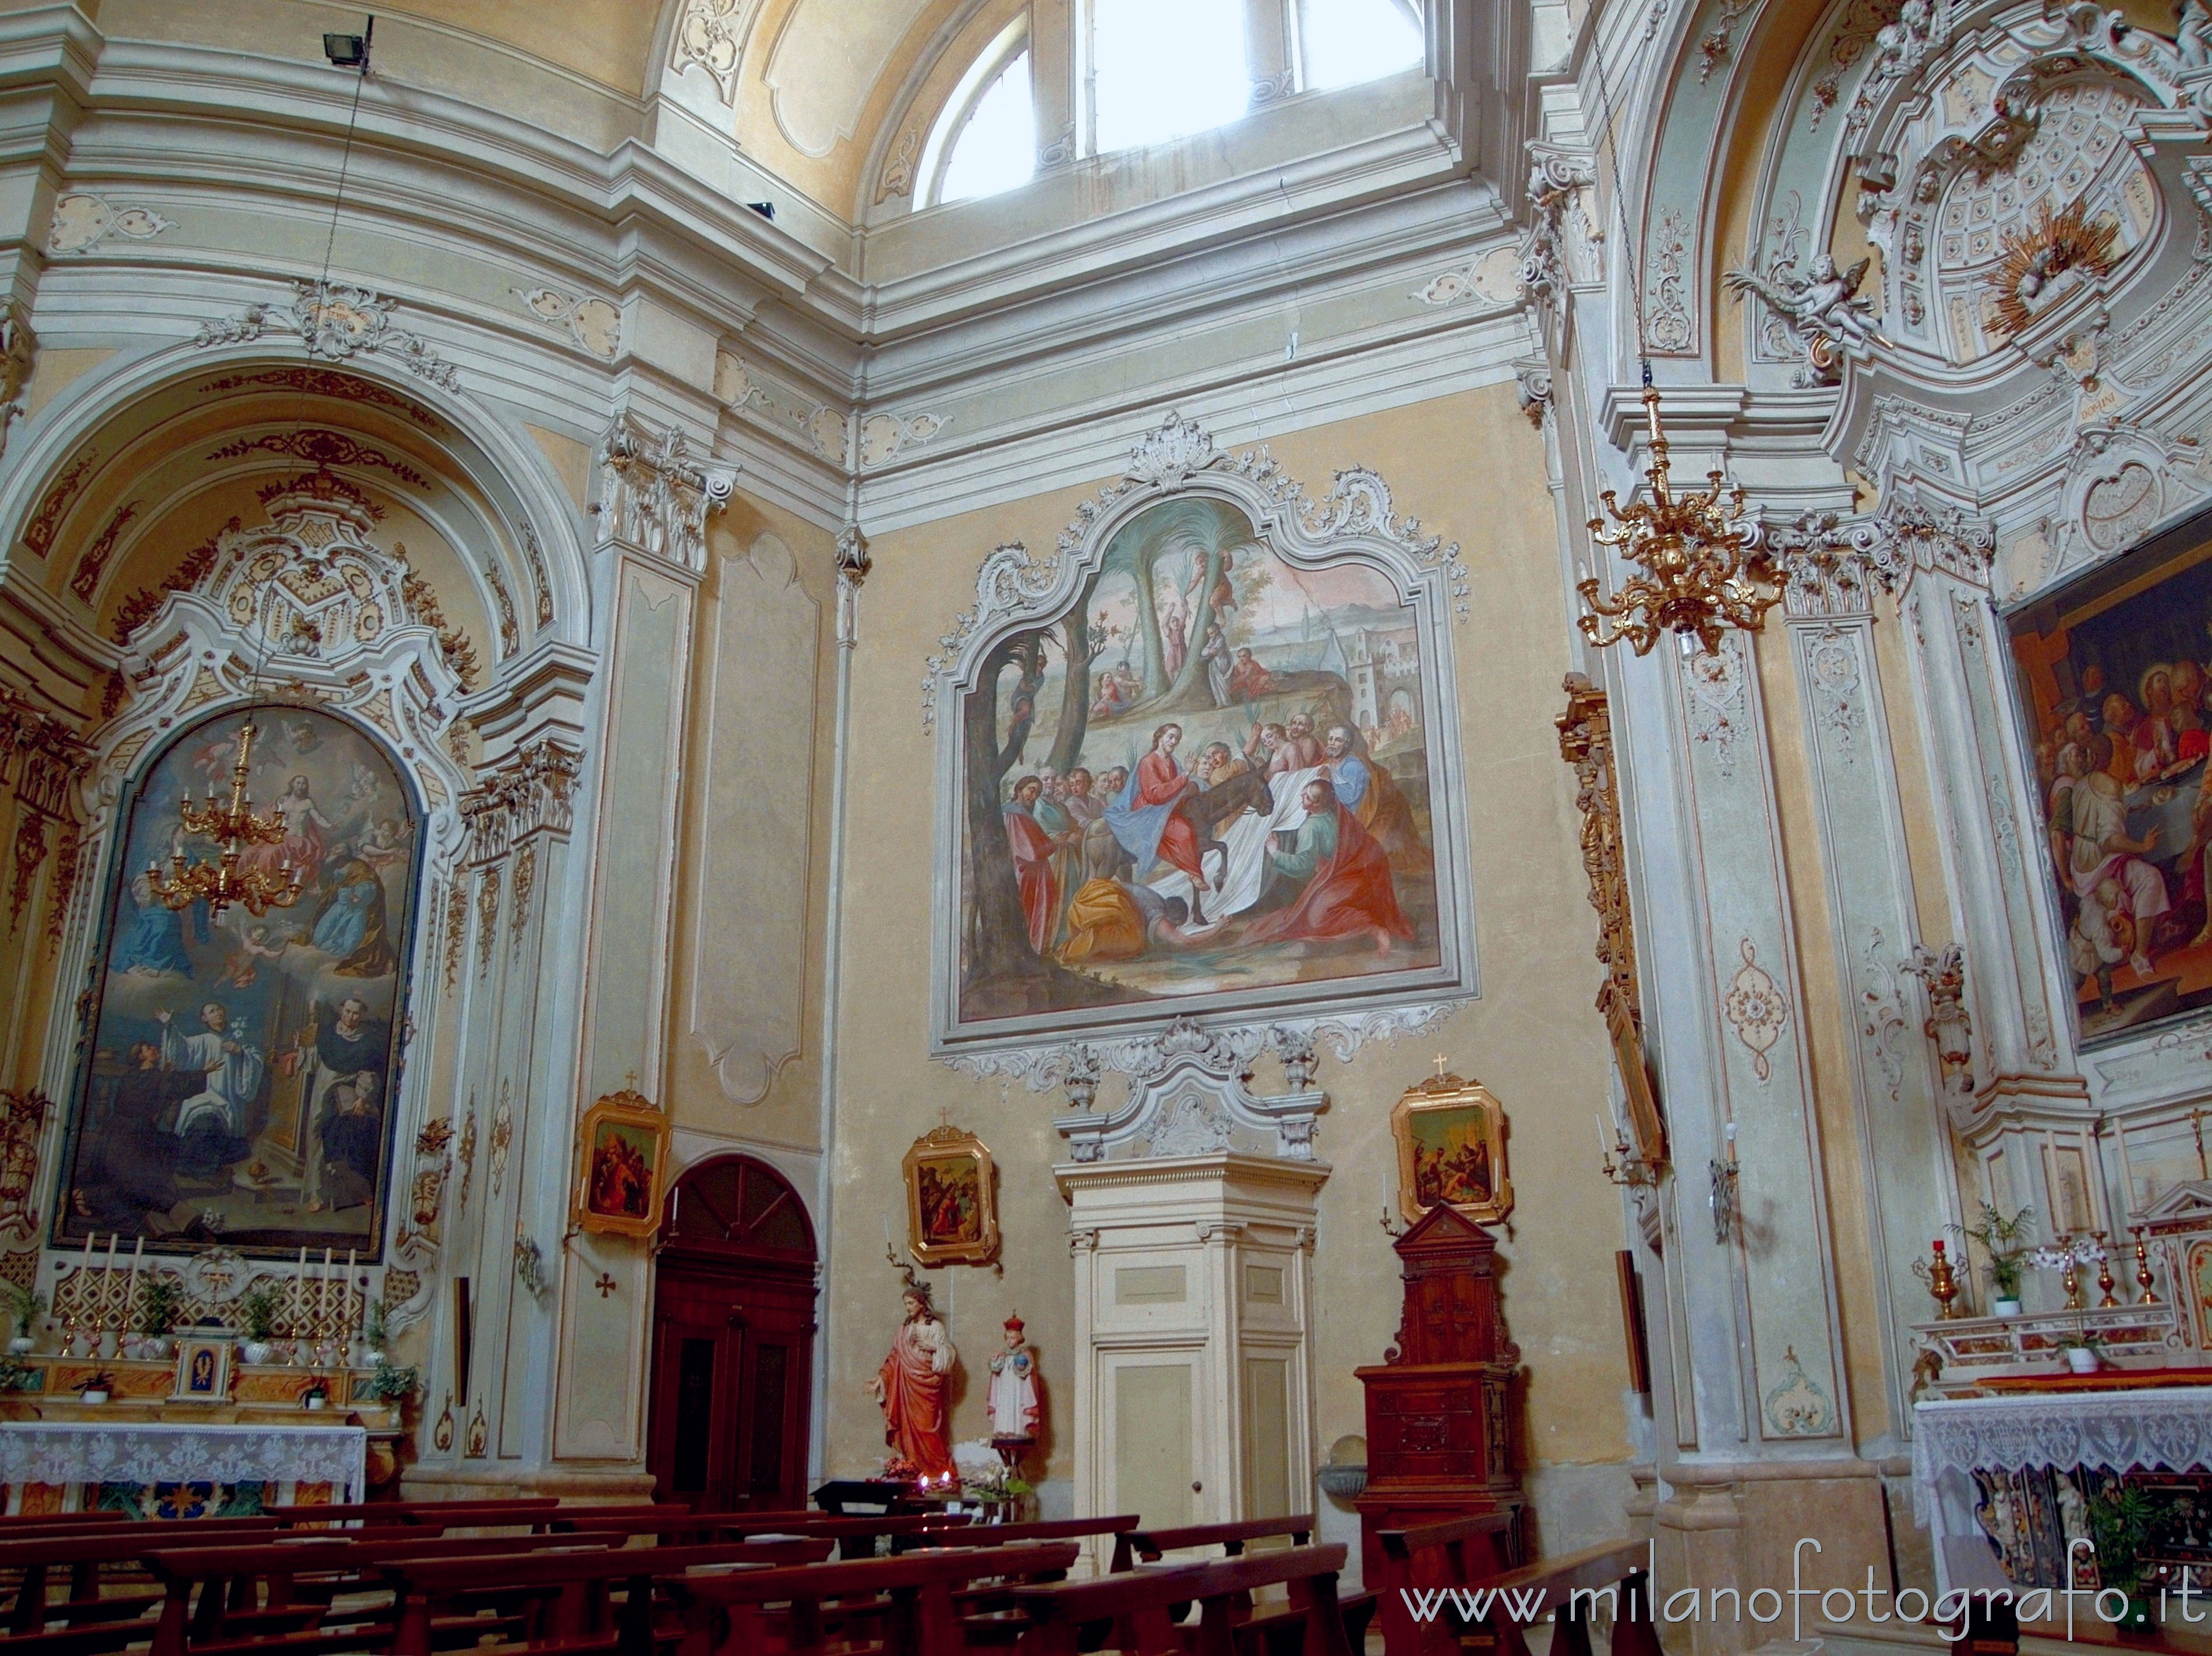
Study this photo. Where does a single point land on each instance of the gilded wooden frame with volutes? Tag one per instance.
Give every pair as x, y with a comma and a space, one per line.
951, 1199
621, 1165
1450, 1136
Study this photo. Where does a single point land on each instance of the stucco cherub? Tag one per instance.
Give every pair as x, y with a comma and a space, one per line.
1822, 308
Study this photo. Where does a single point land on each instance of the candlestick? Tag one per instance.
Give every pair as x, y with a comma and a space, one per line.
1942, 1283
2105, 1280
2143, 1277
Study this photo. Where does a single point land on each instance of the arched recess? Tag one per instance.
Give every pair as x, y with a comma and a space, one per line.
735, 1321
129, 470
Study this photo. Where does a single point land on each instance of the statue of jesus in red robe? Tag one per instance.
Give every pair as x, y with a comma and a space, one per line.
911, 1386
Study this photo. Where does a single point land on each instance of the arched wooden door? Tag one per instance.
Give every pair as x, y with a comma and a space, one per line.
732, 1340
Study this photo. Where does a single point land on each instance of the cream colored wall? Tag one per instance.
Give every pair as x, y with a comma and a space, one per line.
1472, 470
780, 760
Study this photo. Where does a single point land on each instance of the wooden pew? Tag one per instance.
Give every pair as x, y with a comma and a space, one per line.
1151, 1546
575, 1616
84, 1548
856, 1537
1137, 1606
1048, 1529
221, 1625
1489, 1612
1454, 1552
449, 1514
912, 1596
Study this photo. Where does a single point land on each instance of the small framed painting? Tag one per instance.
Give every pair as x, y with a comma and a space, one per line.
951, 1206
621, 1165
1451, 1151
203, 1370
1645, 1120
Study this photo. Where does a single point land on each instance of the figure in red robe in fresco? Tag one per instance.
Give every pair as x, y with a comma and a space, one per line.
1033, 848
910, 1387
1346, 890
1161, 782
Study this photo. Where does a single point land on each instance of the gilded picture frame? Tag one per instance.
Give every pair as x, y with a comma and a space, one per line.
621, 1165
951, 1199
1450, 1136
203, 1369
1645, 1120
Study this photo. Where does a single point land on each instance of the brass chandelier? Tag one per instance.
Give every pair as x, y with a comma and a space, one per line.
232, 826
1696, 573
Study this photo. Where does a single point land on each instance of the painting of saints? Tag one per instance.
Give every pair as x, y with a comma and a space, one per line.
2112, 678
621, 1173
1139, 816
239, 1084
952, 1210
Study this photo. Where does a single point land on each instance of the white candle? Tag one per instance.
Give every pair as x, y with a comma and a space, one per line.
137, 1258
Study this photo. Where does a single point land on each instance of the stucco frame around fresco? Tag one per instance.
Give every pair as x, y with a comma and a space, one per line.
1356, 522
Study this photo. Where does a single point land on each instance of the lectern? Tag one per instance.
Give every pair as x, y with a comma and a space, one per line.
1439, 1442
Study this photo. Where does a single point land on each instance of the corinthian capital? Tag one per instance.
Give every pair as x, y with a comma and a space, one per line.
654, 495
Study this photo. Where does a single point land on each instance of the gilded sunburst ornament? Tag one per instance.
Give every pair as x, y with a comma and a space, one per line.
2036, 257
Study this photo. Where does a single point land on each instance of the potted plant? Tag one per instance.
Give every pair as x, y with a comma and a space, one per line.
96, 1387
2120, 1519
257, 1318
16, 1375
389, 1383
316, 1396
23, 1306
2005, 1242
373, 1336
160, 1300
2083, 1356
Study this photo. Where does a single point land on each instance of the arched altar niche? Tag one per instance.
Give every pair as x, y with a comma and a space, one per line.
239, 1083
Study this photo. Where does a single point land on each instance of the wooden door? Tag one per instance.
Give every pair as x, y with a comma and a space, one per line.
733, 1332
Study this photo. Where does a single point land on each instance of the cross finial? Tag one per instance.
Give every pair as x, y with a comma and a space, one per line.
630, 1079
1438, 1060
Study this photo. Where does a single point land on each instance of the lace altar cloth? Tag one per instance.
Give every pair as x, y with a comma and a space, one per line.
89, 1452
2162, 1429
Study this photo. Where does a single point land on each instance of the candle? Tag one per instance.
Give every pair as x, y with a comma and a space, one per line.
107, 1280
138, 1259
346, 1311
1603, 1148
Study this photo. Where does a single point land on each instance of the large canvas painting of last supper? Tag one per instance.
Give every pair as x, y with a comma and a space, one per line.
1210, 775
240, 1076
2115, 676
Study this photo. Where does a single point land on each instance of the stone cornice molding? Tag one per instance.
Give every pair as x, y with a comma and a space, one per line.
530, 793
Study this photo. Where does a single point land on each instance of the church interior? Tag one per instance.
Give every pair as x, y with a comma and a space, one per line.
1303, 801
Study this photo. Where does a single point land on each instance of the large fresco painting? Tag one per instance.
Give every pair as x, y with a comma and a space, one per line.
1210, 775
2115, 675
241, 1071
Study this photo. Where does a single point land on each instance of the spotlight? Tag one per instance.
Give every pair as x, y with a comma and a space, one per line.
349, 51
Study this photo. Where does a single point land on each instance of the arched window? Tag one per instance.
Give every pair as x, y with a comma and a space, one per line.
1163, 68
1344, 42
986, 140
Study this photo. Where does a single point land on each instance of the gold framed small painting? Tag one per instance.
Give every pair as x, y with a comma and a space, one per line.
203, 1370
951, 1206
621, 1165
1451, 1151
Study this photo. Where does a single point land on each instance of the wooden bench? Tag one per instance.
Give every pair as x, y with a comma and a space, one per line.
449, 1512
85, 1548
938, 1533
1137, 1606
226, 1619
913, 1598
1152, 1545
856, 1537
1454, 1552
1487, 1614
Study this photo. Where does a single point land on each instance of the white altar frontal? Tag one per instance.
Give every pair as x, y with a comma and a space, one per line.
161, 1470
1970, 1521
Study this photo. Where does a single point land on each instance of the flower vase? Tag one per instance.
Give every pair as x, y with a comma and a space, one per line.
21, 1346
2081, 1360
257, 1351
2001, 1307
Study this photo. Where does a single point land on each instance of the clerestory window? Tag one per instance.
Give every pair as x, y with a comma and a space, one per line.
1344, 42
1164, 69
986, 140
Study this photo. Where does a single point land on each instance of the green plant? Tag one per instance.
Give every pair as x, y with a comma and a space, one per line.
2005, 1242
161, 1301
2087, 1340
257, 1312
372, 1328
18, 1376
2120, 1519
99, 1381
389, 1383
23, 1305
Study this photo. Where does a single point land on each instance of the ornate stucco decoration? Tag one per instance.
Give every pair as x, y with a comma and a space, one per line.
83, 220
1833, 563
711, 36
1560, 244
1943, 976
530, 793
19, 349
655, 497
885, 437
1016, 592
336, 321
1532, 387
592, 322
1586, 743
1755, 1006
41, 761
1821, 310
1188, 1095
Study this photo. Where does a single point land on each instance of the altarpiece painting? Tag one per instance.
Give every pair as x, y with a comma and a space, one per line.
1209, 768
241, 1071
2115, 684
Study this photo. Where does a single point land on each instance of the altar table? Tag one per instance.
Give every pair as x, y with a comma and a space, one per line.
51, 1456
2114, 1431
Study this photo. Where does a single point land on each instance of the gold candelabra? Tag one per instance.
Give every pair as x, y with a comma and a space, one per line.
233, 828
2144, 1278
1696, 575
